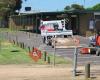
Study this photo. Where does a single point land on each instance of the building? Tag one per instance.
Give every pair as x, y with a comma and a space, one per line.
81, 22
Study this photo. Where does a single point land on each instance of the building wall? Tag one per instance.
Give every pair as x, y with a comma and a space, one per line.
21, 22
32, 22
97, 21
84, 23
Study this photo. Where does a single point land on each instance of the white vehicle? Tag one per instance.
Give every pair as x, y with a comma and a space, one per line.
52, 28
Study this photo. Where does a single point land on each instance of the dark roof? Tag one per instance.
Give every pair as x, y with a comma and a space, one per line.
62, 12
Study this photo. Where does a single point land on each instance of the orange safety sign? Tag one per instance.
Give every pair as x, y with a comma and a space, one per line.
98, 40
35, 54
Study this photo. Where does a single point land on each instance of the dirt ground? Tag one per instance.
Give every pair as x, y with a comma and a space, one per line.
39, 72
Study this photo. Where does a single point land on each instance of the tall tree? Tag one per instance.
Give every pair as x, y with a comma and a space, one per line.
74, 7
18, 5
77, 7
10, 5
96, 7
67, 8
7, 8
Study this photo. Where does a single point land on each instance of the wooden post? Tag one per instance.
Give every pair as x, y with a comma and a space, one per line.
23, 45
33, 48
29, 49
48, 60
45, 55
75, 62
87, 70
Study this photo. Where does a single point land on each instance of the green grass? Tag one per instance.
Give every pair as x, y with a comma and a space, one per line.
13, 54
58, 59
4, 30
7, 30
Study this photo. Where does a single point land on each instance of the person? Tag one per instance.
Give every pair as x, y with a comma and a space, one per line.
98, 39
98, 43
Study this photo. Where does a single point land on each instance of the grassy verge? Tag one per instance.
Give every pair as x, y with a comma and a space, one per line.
11, 54
5, 30
58, 59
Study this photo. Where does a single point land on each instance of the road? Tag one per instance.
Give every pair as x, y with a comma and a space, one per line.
35, 40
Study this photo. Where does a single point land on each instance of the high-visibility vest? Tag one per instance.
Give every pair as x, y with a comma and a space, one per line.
98, 40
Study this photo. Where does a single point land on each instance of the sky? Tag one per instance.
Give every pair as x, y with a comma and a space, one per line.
55, 5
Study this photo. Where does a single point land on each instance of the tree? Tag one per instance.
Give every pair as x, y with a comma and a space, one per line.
96, 7
74, 7
10, 5
7, 8
18, 5
77, 7
67, 8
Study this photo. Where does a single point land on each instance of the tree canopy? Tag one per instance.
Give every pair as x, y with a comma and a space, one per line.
96, 7
74, 7
7, 6
77, 7
80, 7
18, 5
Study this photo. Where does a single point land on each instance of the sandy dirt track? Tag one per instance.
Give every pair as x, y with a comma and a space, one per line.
13, 72
39, 72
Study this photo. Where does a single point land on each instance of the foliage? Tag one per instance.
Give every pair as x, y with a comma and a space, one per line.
89, 9
8, 7
77, 7
80, 7
67, 8
18, 5
74, 7
96, 7
11, 4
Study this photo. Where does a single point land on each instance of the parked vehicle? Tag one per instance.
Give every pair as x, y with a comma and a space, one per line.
50, 29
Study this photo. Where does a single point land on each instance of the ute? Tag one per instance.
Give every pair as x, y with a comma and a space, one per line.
52, 28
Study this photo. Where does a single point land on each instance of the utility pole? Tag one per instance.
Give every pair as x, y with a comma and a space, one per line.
75, 62
54, 51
